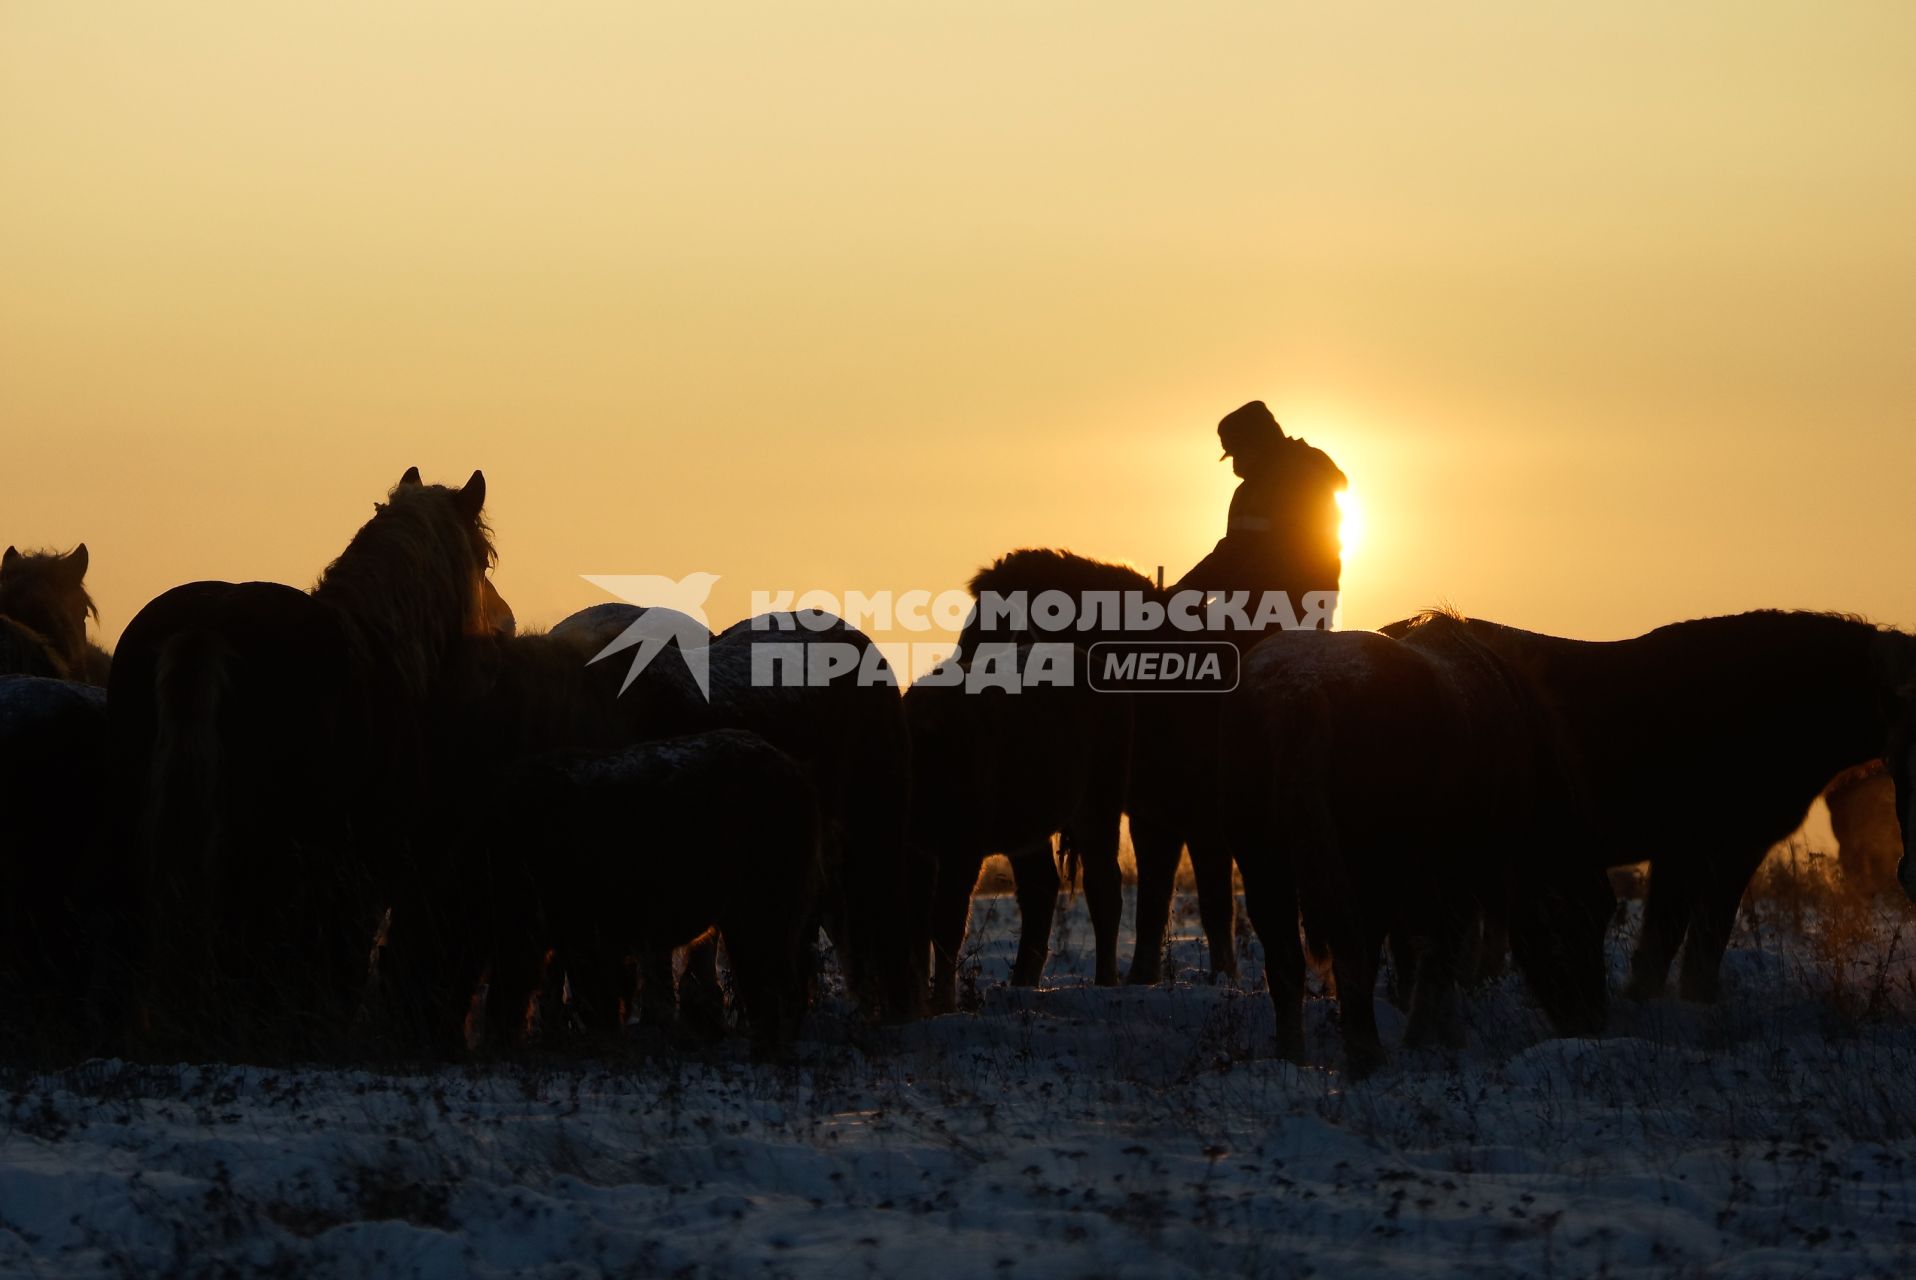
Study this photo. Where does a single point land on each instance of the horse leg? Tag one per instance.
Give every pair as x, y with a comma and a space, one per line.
1354, 952
1035, 872
920, 878
658, 995
1217, 901
1397, 959
701, 998
1667, 908
1270, 899
509, 984
1156, 846
1557, 928
1103, 890
950, 915
1491, 954
1714, 916
1444, 937
594, 976
763, 986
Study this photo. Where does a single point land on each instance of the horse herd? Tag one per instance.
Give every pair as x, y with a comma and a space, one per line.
375, 814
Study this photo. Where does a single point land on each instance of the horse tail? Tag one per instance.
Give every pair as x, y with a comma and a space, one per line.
183, 783
1302, 812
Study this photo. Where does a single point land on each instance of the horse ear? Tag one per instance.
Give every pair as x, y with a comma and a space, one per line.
75, 562
12, 558
472, 498
410, 478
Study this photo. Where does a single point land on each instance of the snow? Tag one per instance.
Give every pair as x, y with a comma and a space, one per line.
1070, 1131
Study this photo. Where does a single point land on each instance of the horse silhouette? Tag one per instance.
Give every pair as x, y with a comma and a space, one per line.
44, 607
520, 697
648, 632
643, 849
1002, 772
268, 750
845, 725
845, 728
648, 629
1758, 711
1171, 796
1386, 787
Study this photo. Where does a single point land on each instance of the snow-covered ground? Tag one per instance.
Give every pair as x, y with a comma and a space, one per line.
1066, 1132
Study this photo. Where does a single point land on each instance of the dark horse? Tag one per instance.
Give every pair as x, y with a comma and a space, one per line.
1002, 771
44, 607
1758, 711
523, 697
1171, 796
817, 688
1387, 787
597, 855
267, 750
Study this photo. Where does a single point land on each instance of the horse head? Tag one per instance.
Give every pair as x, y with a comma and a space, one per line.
412, 583
46, 591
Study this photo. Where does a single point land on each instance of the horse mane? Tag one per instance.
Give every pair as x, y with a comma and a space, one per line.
38, 591
1423, 617
1036, 569
405, 587
1834, 619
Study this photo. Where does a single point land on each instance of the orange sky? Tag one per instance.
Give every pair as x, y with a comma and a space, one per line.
1606, 311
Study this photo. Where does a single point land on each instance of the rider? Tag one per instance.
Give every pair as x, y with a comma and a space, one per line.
1282, 530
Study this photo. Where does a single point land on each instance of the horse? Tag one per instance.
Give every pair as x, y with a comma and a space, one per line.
644, 849
53, 736
996, 771
267, 746
1862, 808
817, 688
44, 607
1387, 787
660, 696
524, 696
1172, 792
1757, 710
567, 690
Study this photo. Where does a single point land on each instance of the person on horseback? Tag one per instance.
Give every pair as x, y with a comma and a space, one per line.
1281, 534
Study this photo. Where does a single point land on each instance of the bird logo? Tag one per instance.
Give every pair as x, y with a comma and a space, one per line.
669, 611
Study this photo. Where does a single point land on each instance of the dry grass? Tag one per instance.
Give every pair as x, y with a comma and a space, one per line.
1851, 938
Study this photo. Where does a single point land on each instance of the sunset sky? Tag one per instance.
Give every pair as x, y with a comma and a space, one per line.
1607, 311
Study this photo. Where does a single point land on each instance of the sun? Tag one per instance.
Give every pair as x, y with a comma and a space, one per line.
1350, 526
